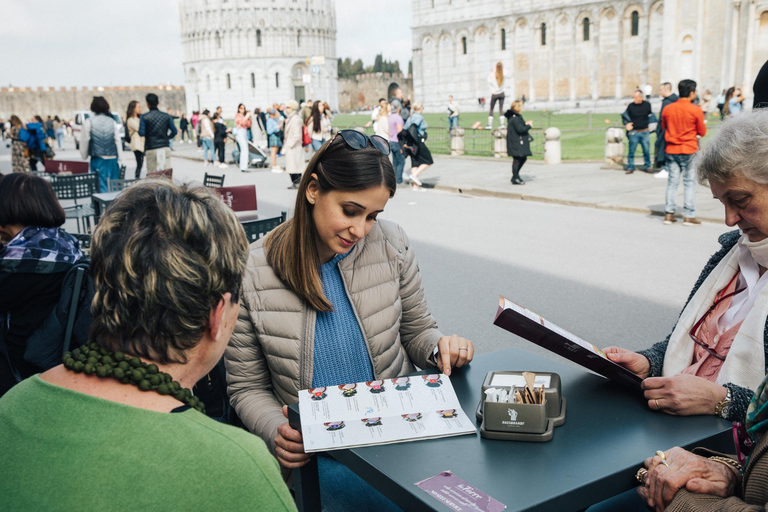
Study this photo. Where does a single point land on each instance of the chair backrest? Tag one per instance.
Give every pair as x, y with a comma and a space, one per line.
165, 173
118, 185
75, 187
66, 166
85, 242
240, 199
255, 229
211, 181
122, 172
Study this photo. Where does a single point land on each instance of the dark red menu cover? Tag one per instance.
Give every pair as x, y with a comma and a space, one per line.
240, 199
527, 324
66, 166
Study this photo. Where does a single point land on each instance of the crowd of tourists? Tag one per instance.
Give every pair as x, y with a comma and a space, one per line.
33, 141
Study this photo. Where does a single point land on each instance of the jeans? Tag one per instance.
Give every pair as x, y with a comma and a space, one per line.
644, 138
453, 122
342, 490
107, 168
220, 148
60, 137
139, 162
242, 140
398, 160
317, 144
676, 165
207, 146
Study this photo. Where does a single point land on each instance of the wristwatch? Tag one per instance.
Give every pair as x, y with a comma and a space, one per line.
723, 408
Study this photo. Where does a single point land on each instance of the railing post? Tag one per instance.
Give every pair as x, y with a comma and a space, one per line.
552, 149
457, 141
614, 146
500, 142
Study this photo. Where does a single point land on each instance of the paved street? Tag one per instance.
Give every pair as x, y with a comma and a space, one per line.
612, 277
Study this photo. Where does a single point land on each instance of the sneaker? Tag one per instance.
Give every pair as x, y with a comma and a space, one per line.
518, 181
662, 174
223, 166
277, 170
415, 180
691, 221
669, 218
417, 188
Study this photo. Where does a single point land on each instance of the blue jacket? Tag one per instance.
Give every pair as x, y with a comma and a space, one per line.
33, 136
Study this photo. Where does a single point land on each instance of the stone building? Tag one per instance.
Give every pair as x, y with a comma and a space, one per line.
558, 53
258, 52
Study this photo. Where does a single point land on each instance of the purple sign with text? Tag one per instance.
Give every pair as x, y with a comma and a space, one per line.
458, 495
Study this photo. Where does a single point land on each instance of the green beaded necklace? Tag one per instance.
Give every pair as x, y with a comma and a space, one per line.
91, 359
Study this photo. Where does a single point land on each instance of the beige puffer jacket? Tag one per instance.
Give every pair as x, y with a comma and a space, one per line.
270, 355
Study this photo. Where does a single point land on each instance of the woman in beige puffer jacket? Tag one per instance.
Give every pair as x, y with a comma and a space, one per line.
271, 353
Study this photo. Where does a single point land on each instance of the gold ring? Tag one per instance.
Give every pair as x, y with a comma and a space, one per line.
282, 455
658, 407
641, 475
463, 348
663, 456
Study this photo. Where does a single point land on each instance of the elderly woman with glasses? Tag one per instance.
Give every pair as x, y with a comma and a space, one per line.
332, 297
715, 357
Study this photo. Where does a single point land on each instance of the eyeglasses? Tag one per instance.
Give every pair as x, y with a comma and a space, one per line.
356, 140
696, 326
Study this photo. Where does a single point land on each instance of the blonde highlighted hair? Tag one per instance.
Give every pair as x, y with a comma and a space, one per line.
499, 73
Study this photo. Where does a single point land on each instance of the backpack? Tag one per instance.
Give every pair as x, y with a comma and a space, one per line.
67, 326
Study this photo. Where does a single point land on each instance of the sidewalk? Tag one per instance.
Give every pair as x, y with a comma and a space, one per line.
587, 184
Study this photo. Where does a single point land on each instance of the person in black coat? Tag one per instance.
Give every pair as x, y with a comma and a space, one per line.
518, 140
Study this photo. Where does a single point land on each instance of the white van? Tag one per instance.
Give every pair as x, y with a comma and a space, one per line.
82, 115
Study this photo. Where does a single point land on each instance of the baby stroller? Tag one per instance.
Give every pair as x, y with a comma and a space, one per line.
257, 157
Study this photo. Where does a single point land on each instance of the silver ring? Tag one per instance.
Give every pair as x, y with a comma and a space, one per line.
463, 348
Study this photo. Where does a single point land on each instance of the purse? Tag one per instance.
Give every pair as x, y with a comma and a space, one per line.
306, 140
49, 152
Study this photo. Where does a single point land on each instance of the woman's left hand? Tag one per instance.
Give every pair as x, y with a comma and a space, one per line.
683, 395
453, 351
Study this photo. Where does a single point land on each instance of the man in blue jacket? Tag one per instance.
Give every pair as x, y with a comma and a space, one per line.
158, 129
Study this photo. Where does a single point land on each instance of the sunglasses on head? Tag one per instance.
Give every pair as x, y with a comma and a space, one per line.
356, 140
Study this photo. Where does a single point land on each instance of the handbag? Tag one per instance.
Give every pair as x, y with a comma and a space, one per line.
49, 152
306, 140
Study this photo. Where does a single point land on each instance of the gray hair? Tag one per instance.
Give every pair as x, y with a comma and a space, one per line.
740, 148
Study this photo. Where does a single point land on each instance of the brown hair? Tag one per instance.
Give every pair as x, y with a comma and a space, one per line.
499, 73
131, 109
517, 106
162, 257
292, 247
29, 200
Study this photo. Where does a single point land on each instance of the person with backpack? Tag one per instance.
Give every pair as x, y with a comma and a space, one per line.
416, 144
33, 135
34, 259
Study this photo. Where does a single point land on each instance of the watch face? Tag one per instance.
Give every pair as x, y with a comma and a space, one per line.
725, 410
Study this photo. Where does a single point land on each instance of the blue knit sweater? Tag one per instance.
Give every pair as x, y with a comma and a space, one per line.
341, 356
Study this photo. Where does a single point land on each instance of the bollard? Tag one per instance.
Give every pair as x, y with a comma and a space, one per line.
457, 141
500, 142
614, 146
552, 149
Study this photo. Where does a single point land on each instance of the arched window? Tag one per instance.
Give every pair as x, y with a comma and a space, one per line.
253, 80
763, 31
277, 80
543, 34
229, 81
298, 39
635, 23
464, 45
585, 28
258, 38
503, 39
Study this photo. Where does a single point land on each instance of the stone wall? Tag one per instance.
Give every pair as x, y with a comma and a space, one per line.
63, 102
365, 89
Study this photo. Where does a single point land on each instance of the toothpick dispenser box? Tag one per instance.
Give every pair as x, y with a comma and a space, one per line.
520, 420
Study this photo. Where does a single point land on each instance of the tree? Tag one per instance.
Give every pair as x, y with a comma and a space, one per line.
378, 64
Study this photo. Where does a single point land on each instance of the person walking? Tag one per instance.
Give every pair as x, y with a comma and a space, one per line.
184, 128
242, 125
132, 125
318, 125
668, 97
259, 127
274, 137
396, 124
220, 131
100, 140
158, 129
706, 103
294, 158
733, 102
421, 158
496, 85
518, 139
453, 116
721, 104
683, 123
50, 131
382, 122
33, 135
173, 120
636, 120
58, 131
206, 137
19, 158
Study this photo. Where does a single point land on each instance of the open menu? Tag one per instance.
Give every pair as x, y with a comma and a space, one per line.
527, 324
381, 412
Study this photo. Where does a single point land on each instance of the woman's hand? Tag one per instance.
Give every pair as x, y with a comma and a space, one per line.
683, 395
290, 446
453, 351
632, 361
529, 123
686, 470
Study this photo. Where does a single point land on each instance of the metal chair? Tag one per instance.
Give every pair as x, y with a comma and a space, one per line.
122, 173
119, 185
257, 228
72, 188
85, 242
211, 181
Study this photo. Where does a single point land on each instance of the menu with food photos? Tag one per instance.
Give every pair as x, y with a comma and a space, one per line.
381, 412
530, 326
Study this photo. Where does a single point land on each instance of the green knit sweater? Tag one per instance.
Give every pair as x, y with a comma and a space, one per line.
64, 450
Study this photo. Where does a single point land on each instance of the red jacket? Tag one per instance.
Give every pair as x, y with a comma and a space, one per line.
682, 122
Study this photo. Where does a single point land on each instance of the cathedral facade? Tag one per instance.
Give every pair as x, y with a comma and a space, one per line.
566, 53
258, 52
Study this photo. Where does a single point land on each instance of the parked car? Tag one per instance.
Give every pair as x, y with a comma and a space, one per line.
82, 115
